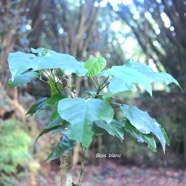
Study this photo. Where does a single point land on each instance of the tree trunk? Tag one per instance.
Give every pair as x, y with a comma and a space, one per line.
76, 154
66, 160
65, 165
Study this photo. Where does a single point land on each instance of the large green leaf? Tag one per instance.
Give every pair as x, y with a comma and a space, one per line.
147, 138
95, 66
128, 78
114, 128
81, 113
143, 122
22, 79
63, 147
157, 77
20, 62
131, 73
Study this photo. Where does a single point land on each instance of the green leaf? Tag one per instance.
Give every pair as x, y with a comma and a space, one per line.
40, 51
65, 62
53, 100
45, 102
97, 130
22, 79
57, 123
114, 128
156, 77
123, 85
131, 73
95, 66
63, 147
54, 114
128, 77
80, 113
39, 105
54, 88
20, 62
165, 136
141, 138
143, 122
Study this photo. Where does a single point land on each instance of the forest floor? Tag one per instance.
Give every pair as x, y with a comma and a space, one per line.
109, 173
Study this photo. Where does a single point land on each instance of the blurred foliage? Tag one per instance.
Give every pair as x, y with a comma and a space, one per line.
159, 27
15, 156
13, 32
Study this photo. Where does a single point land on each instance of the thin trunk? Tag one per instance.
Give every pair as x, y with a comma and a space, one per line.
66, 160
82, 171
76, 154
65, 165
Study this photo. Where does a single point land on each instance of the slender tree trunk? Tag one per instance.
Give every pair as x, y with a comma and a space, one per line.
76, 154
82, 171
66, 160
65, 165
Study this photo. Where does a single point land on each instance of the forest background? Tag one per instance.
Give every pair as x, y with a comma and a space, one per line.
148, 31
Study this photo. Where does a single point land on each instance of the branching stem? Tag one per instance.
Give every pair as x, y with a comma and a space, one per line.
93, 83
53, 80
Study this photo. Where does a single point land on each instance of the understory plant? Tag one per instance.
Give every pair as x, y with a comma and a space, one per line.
81, 119
15, 157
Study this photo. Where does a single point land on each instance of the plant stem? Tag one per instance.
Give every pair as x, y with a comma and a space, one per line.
82, 171
53, 80
92, 82
65, 165
66, 160
105, 80
104, 86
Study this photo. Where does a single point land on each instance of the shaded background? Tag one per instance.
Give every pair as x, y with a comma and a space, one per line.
149, 31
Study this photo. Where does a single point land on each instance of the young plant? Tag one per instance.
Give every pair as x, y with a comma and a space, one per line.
81, 119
